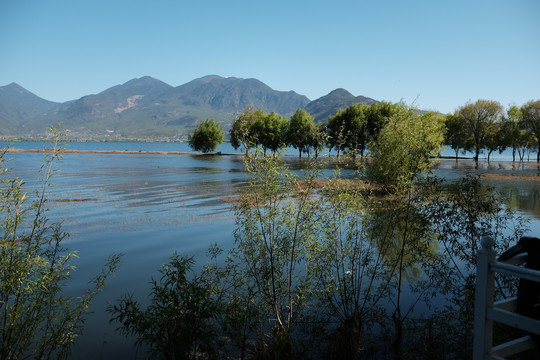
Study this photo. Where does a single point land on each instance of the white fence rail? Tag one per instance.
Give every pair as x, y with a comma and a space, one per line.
487, 311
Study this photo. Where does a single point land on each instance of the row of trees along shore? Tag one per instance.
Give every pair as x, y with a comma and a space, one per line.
482, 125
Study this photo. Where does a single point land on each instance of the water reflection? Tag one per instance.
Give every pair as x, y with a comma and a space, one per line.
522, 196
148, 206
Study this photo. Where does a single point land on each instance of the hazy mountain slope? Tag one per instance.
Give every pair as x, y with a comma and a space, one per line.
21, 111
149, 108
234, 94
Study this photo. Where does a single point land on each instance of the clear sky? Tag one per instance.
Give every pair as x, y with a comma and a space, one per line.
438, 54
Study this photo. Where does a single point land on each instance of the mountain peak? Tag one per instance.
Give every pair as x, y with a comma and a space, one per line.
209, 78
337, 99
146, 107
15, 92
340, 92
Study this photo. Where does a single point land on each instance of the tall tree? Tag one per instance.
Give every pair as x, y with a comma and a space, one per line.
243, 132
455, 136
377, 116
207, 136
320, 138
531, 120
404, 147
271, 129
512, 131
301, 131
348, 129
480, 123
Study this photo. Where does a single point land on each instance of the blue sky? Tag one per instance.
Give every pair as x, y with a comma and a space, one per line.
438, 54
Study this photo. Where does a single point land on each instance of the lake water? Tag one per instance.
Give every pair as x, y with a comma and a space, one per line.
150, 206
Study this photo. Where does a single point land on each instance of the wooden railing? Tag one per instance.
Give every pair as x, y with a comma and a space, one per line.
486, 311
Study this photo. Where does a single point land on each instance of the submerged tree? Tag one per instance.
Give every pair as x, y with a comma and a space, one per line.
404, 147
206, 136
480, 123
348, 129
271, 232
350, 275
243, 133
180, 321
272, 132
301, 131
531, 119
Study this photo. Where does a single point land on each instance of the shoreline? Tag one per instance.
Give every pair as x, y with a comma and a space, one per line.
128, 152
445, 159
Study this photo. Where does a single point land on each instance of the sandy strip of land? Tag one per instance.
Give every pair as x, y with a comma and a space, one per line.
510, 177
130, 152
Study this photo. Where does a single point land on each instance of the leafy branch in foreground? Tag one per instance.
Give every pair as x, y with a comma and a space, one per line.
179, 322
36, 319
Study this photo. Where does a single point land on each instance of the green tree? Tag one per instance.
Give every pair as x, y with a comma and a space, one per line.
531, 120
495, 139
273, 221
301, 132
272, 131
512, 130
455, 134
405, 146
206, 136
36, 319
243, 132
180, 321
348, 129
377, 116
480, 123
319, 138
350, 275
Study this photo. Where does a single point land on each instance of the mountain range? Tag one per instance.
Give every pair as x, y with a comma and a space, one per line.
147, 108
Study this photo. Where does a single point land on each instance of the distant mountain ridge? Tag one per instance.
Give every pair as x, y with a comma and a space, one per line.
327, 105
149, 108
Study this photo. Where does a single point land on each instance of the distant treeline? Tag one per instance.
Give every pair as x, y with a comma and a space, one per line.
483, 125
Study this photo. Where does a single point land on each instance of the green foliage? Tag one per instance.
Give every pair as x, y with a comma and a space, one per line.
272, 131
350, 274
480, 124
36, 319
348, 129
353, 128
272, 229
404, 147
531, 120
243, 129
319, 138
179, 323
455, 135
461, 213
302, 131
255, 128
207, 136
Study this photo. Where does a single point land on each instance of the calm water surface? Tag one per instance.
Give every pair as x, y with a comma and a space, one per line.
150, 206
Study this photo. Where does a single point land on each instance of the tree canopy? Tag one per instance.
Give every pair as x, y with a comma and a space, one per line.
207, 136
404, 147
531, 119
480, 121
302, 131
